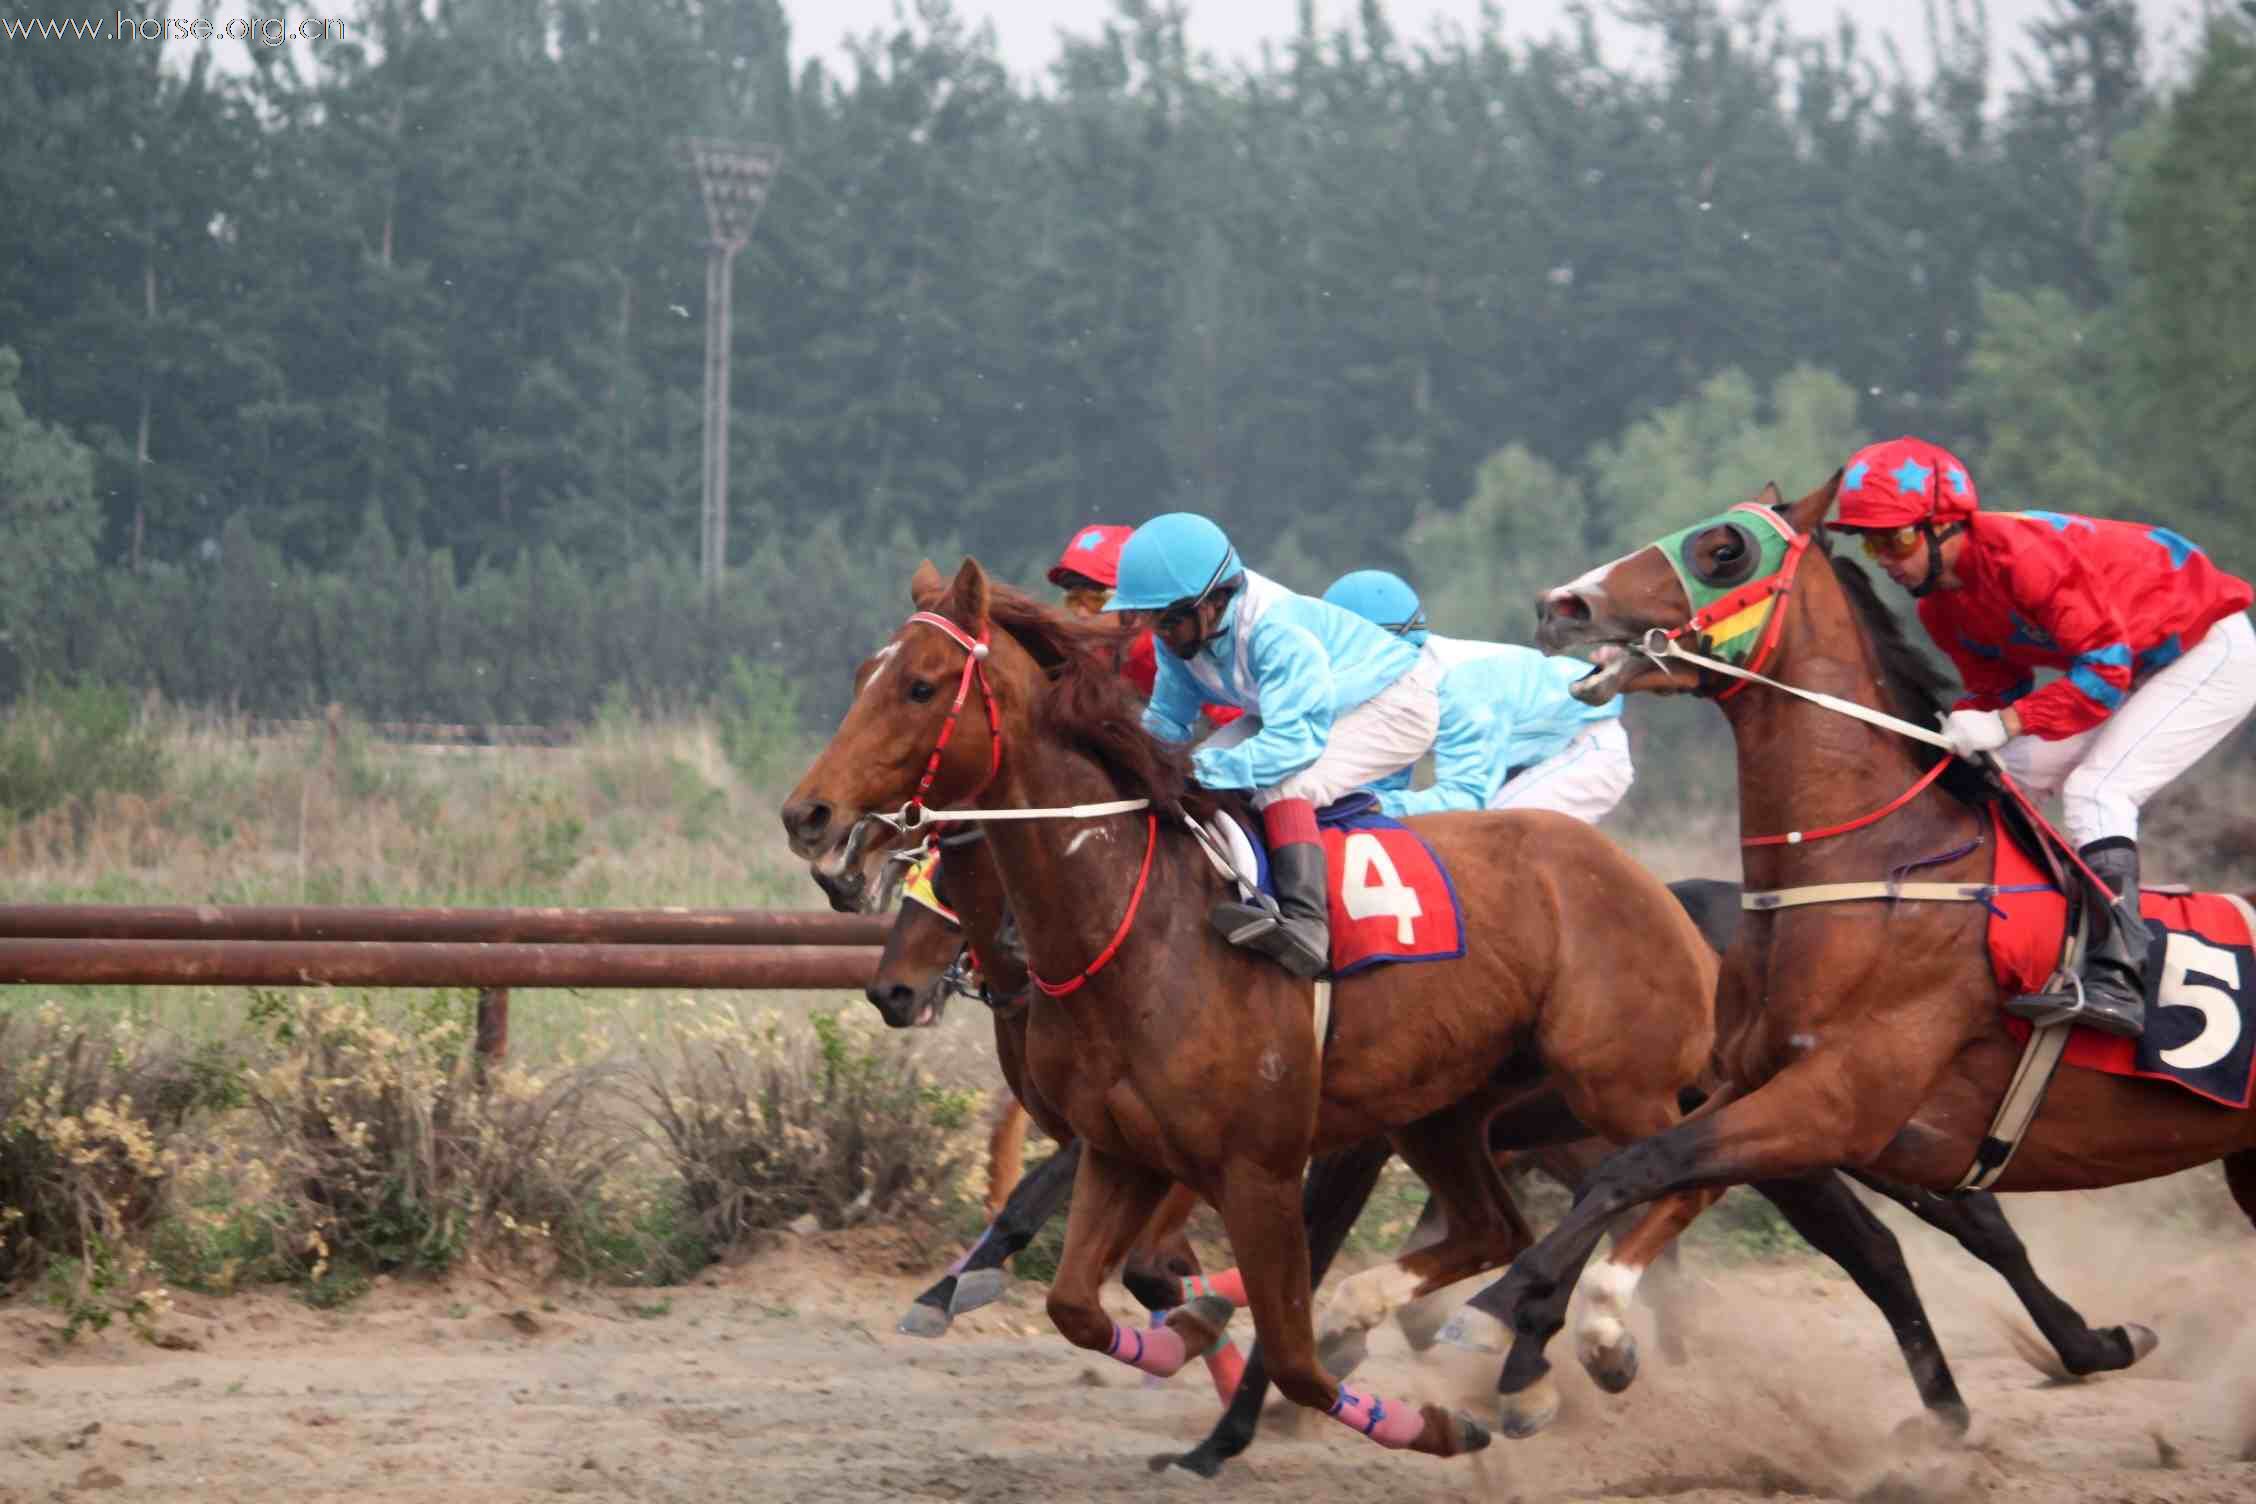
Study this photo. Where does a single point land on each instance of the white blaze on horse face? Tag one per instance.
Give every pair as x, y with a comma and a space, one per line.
883, 659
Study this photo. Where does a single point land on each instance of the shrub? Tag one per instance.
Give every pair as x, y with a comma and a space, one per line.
70, 743
767, 1125
90, 1128
389, 1153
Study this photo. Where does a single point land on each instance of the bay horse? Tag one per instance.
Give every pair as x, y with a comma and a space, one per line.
923, 950
1872, 1030
1180, 1060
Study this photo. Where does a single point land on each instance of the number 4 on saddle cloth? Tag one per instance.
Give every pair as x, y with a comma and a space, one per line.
2200, 971
1391, 898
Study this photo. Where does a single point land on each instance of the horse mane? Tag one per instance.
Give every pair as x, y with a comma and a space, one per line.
1090, 706
1918, 689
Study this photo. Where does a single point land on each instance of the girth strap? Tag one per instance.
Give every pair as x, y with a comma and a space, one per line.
1790, 898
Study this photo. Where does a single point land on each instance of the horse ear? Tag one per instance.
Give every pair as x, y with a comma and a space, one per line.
1769, 497
926, 585
1808, 514
967, 596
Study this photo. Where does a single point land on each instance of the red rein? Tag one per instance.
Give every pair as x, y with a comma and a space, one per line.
975, 662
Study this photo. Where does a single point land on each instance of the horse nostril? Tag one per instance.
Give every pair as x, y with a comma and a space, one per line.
806, 820
1562, 605
890, 998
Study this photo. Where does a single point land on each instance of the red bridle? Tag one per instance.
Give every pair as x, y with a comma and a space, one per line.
975, 663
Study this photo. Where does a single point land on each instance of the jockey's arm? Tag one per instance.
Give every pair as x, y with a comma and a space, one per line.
2050, 588
1467, 754
1173, 709
1295, 679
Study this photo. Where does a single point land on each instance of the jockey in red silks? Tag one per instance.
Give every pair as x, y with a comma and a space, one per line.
2152, 641
1087, 572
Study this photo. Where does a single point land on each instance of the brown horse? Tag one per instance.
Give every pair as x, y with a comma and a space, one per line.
1179, 1060
922, 949
1873, 1032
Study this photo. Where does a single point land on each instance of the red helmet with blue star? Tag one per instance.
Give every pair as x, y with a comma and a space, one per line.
1902, 482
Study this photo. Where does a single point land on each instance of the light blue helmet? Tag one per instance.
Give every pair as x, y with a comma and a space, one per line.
1378, 596
1177, 556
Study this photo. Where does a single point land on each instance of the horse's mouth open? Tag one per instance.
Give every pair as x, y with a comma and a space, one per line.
1613, 665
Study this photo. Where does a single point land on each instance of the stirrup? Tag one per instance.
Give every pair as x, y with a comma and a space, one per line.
1264, 912
2044, 1009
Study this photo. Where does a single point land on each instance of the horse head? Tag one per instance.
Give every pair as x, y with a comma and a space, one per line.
1611, 612
922, 731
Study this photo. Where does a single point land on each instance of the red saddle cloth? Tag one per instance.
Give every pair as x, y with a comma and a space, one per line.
2200, 971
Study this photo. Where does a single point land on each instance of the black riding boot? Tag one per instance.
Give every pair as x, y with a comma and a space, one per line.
2112, 973
1297, 933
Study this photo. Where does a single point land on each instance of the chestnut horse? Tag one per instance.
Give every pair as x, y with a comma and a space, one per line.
923, 950
1180, 1060
1873, 1034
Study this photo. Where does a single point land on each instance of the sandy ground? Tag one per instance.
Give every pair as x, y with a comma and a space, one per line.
782, 1378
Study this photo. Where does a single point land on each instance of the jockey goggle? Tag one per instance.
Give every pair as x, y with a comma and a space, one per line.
1892, 543
1086, 602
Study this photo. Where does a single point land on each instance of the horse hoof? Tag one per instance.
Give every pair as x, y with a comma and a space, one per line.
981, 1287
1421, 1323
924, 1321
1528, 1412
1942, 1426
1472, 1436
1613, 1369
1343, 1354
1474, 1331
2143, 1339
1200, 1462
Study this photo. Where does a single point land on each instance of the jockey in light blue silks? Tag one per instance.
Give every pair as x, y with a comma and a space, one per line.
1332, 703
1511, 735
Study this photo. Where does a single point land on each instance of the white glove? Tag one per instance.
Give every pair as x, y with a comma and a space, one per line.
1973, 732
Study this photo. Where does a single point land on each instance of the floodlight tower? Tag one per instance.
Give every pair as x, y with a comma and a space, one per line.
734, 179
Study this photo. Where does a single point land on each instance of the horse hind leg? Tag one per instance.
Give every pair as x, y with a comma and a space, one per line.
1006, 1152
1484, 1230
1978, 1222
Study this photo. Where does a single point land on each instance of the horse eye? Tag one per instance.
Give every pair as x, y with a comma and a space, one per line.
921, 690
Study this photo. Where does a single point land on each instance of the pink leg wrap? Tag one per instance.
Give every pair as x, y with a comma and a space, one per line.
1383, 1423
1229, 1284
1226, 1365
1159, 1351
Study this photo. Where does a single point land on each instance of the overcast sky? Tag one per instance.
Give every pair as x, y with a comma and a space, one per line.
1235, 29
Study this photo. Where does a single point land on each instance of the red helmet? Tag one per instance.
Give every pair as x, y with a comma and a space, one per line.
1093, 552
1903, 481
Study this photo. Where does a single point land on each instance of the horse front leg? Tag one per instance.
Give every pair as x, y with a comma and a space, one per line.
1339, 1185
976, 1279
1260, 1212
1113, 1201
1791, 1128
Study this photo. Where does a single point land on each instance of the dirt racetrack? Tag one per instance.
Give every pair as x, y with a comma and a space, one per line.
781, 1378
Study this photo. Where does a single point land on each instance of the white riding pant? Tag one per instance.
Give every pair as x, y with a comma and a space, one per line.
2103, 775
1586, 778
1383, 735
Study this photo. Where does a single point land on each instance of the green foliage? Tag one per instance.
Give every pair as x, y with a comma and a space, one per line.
51, 522
2040, 384
73, 742
2191, 219
757, 717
